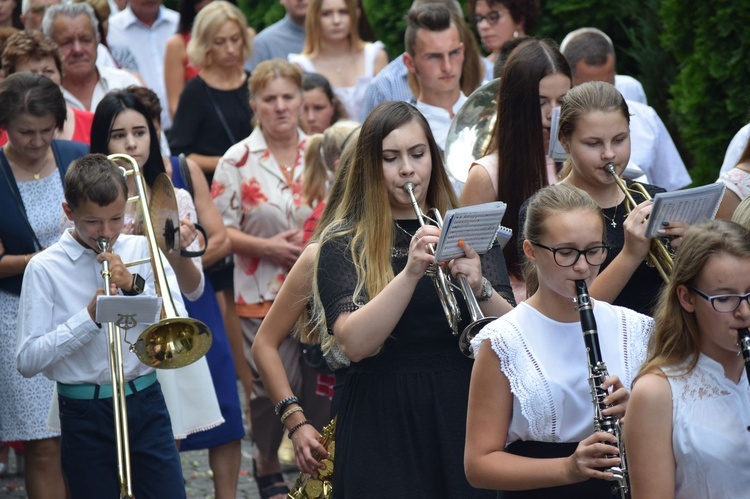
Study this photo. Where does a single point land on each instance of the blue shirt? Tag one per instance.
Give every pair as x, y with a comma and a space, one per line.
276, 42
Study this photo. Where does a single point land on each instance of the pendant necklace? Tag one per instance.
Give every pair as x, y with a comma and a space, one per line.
612, 220
403, 230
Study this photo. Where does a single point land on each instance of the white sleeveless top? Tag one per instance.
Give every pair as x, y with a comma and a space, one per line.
546, 364
710, 432
350, 97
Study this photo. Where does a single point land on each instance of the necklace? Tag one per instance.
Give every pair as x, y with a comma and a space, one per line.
403, 230
37, 175
612, 220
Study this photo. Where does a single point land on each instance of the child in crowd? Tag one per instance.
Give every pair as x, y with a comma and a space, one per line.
58, 336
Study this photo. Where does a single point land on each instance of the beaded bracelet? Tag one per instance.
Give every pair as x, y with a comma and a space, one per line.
298, 426
284, 403
289, 413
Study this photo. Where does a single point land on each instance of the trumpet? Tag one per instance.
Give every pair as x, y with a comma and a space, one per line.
659, 256
444, 287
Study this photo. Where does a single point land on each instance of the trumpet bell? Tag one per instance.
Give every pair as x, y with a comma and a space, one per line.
470, 132
468, 334
173, 343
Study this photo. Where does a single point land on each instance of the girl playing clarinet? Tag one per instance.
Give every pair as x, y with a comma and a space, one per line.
689, 416
530, 428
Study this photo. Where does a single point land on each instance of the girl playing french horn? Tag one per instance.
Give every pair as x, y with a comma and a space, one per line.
402, 416
687, 426
530, 427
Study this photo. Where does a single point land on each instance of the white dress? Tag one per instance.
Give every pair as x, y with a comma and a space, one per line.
710, 433
24, 402
546, 364
350, 97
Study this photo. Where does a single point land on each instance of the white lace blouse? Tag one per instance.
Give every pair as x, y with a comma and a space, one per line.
711, 432
546, 364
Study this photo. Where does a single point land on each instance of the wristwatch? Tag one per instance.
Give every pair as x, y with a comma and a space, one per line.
486, 290
139, 283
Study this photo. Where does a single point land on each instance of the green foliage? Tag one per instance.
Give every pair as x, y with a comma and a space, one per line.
261, 13
711, 102
387, 20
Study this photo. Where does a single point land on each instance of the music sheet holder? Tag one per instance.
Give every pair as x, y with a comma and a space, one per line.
126, 312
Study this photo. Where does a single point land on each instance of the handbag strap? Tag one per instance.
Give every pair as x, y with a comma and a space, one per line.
219, 113
185, 172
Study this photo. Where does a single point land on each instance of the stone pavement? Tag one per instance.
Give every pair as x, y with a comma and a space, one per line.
195, 470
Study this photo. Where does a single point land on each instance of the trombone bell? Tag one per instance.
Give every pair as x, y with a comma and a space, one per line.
174, 341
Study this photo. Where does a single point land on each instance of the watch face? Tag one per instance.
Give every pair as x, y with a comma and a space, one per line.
138, 284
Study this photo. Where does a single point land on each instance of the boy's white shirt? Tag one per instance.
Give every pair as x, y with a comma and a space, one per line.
56, 336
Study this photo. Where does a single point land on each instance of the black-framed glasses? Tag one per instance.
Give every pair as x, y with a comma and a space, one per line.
492, 17
567, 257
723, 303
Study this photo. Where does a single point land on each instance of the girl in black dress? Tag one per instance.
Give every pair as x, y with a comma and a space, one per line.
402, 416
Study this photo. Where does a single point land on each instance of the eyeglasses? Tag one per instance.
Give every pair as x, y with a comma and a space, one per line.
492, 17
567, 257
723, 303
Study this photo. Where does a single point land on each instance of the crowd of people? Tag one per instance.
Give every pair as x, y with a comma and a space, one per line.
305, 163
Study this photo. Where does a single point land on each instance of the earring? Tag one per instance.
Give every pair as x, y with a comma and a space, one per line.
515, 34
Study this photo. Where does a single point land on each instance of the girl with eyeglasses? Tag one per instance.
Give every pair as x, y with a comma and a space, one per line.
530, 430
687, 426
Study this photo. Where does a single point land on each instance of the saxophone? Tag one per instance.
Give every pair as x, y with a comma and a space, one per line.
744, 343
309, 487
597, 374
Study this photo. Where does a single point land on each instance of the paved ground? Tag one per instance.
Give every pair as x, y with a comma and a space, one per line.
195, 469
198, 482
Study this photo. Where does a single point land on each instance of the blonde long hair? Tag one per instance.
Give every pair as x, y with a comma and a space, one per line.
321, 153
313, 35
364, 215
676, 335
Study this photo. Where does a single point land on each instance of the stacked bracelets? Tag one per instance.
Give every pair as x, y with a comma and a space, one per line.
282, 405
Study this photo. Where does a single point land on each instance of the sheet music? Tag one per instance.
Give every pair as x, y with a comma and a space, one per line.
689, 205
128, 311
475, 225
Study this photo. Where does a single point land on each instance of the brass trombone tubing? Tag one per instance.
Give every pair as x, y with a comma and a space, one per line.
117, 377
659, 256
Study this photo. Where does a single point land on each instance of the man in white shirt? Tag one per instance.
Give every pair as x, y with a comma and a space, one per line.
142, 29
435, 56
58, 336
590, 54
74, 28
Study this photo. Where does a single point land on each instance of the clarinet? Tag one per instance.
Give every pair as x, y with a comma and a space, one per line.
744, 343
597, 375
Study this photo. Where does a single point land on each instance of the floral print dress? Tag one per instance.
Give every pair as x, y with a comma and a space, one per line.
259, 197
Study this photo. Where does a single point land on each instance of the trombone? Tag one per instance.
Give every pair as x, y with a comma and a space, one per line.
171, 343
659, 255
443, 287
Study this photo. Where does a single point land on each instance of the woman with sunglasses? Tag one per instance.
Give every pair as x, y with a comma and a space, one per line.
530, 425
687, 426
